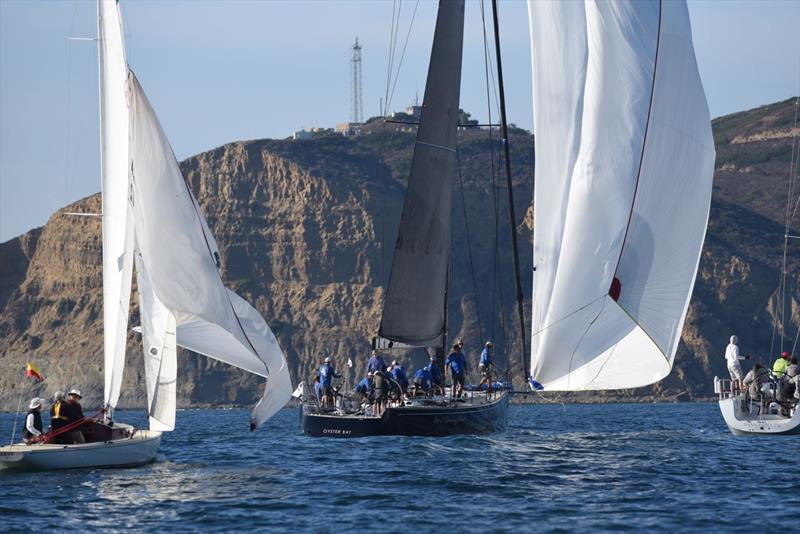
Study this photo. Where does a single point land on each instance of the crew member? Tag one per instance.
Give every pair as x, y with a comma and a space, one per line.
780, 365
74, 400
734, 367
376, 363
422, 381
317, 388
326, 375
399, 376
437, 377
61, 414
32, 432
380, 392
458, 368
362, 389
791, 379
485, 367
753, 380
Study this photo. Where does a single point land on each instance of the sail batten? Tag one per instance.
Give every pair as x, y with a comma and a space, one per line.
623, 187
414, 307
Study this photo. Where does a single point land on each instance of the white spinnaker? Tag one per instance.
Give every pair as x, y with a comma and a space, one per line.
160, 354
117, 216
637, 199
178, 255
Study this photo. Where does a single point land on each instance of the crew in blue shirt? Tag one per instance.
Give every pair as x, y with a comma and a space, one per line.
485, 367
376, 363
326, 375
422, 381
399, 376
437, 377
458, 368
362, 388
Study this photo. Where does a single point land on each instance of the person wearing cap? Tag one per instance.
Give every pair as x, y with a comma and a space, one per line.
779, 368
376, 363
422, 381
734, 367
32, 433
74, 401
61, 414
485, 366
458, 369
326, 375
437, 377
399, 375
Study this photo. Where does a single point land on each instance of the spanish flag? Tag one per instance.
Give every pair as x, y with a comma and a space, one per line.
31, 371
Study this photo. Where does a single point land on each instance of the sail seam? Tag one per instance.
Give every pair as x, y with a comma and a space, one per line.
644, 140
439, 147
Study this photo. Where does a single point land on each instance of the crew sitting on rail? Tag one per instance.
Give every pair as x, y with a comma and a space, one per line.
458, 368
376, 363
74, 402
485, 367
326, 375
399, 376
437, 377
32, 432
422, 381
61, 414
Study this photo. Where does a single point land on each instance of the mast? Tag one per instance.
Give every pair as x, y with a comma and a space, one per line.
511, 214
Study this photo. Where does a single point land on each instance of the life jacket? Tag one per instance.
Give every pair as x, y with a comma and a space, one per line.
37, 423
61, 414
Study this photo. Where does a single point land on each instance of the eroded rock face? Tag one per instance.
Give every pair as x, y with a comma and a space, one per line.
306, 231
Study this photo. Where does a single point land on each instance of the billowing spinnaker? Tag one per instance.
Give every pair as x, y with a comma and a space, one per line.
160, 354
637, 196
179, 256
414, 307
117, 216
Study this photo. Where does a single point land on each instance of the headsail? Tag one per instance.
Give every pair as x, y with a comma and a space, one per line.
624, 165
117, 216
413, 311
179, 257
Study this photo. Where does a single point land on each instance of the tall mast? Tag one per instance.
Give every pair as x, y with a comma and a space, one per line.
511, 214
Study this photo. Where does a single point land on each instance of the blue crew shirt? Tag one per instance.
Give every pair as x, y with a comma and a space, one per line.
436, 373
457, 363
424, 376
363, 386
399, 375
486, 357
376, 363
326, 374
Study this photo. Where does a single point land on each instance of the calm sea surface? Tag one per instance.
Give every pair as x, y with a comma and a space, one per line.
608, 467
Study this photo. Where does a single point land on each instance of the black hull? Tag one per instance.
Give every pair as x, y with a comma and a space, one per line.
411, 421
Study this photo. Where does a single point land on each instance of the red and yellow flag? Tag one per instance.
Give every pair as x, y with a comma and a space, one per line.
31, 371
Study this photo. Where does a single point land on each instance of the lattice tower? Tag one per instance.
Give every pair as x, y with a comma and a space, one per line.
356, 105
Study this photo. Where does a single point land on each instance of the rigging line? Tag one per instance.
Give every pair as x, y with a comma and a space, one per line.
469, 246
67, 106
792, 164
782, 284
567, 316
395, 34
403, 54
390, 61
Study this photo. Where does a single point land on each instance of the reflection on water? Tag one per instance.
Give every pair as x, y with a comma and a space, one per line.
583, 466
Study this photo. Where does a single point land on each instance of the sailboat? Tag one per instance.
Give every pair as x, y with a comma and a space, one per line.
624, 169
151, 219
415, 307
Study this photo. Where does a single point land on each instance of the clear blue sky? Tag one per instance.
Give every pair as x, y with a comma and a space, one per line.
223, 71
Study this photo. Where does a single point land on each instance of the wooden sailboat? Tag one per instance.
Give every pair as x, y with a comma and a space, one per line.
151, 218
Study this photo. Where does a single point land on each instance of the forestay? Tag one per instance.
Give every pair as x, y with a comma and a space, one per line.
181, 261
624, 165
414, 308
117, 217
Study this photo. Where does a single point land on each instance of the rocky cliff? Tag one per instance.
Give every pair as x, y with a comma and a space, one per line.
306, 230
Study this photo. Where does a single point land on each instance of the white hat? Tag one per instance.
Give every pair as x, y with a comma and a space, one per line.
75, 391
36, 402
394, 362
488, 343
328, 359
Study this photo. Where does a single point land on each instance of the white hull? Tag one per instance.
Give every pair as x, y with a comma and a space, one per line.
741, 422
139, 449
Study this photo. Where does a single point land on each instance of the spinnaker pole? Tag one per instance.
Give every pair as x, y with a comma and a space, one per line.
511, 214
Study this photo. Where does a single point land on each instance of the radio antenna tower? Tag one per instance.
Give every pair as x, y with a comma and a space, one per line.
356, 107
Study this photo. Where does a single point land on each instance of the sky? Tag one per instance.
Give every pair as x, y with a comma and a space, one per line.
222, 71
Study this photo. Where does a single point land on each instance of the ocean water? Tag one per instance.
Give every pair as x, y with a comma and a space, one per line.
576, 467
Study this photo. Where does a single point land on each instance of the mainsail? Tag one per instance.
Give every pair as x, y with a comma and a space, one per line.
117, 217
624, 165
180, 260
414, 308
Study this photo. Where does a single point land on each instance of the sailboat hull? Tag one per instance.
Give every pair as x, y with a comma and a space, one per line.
424, 420
139, 449
742, 423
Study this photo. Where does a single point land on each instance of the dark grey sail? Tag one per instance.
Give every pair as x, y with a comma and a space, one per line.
414, 308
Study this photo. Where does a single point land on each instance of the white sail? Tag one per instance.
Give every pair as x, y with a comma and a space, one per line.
624, 164
160, 355
180, 258
117, 217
